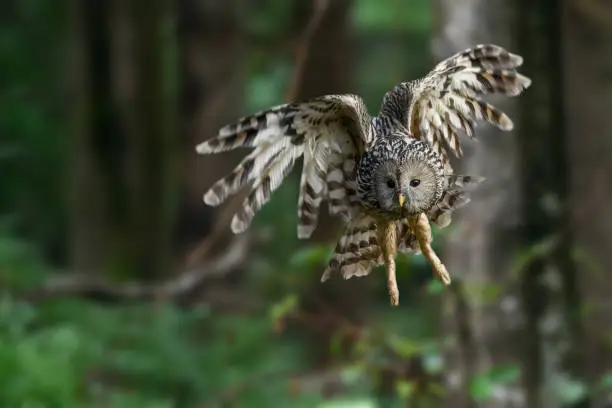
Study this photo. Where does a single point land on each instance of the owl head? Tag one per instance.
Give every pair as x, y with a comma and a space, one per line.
413, 185
401, 176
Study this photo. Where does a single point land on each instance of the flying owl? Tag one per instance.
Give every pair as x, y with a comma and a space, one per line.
387, 176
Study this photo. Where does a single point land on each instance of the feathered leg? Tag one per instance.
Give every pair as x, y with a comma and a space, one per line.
367, 242
422, 230
387, 239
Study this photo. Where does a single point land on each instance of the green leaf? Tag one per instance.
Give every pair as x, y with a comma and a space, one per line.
504, 373
531, 254
433, 362
605, 382
435, 287
404, 347
392, 16
282, 308
348, 403
570, 390
309, 256
351, 374
485, 293
404, 389
481, 387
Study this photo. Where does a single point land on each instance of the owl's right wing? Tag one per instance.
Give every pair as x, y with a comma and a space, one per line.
331, 132
449, 98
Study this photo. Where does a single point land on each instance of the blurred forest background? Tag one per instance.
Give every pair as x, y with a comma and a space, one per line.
120, 288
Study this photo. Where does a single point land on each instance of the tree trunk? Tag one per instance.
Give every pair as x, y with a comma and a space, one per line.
91, 119
153, 151
553, 357
537, 223
211, 75
587, 36
141, 154
483, 241
123, 178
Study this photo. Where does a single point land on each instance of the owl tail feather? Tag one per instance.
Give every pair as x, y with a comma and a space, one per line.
357, 251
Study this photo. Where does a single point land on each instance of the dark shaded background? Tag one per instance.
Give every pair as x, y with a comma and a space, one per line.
121, 289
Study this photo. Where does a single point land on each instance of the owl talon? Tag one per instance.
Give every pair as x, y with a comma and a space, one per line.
387, 238
392, 281
422, 231
393, 292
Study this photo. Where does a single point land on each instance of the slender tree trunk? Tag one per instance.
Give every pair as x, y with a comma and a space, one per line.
483, 242
211, 77
141, 153
587, 39
153, 176
550, 295
123, 178
92, 120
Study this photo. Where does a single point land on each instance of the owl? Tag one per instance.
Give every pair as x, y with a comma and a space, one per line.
387, 176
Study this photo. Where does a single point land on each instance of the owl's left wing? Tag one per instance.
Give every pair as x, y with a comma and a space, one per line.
449, 98
330, 132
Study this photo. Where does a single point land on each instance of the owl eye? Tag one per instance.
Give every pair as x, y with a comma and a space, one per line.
390, 183
415, 182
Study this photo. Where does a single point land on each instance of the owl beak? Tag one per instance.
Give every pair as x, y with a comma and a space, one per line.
401, 198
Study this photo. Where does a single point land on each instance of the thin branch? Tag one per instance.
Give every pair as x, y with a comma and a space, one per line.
303, 47
85, 285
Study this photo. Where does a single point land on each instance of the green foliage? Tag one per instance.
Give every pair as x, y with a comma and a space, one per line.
32, 146
267, 19
267, 84
280, 309
74, 354
605, 382
349, 403
483, 385
21, 265
435, 287
569, 391
393, 15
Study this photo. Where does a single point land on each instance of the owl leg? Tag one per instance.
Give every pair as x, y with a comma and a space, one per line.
422, 231
387, 240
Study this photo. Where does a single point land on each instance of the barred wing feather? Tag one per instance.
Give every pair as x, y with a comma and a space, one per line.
330, 132
448, 99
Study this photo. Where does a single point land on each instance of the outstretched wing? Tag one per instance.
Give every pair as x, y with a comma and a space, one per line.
331, 132
448, 99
